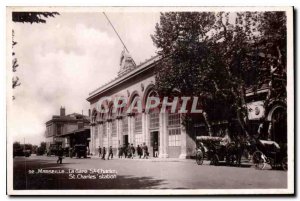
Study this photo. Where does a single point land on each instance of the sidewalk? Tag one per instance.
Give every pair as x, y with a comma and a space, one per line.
245, 163
150, 159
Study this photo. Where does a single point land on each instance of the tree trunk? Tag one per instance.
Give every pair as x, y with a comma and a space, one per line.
207, 122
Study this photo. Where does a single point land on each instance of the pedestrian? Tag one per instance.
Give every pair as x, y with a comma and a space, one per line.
132, 151
60, 155
125, 151
99, 151
155, 150
103, 153
120, 153
87, 150
145, 151
110, 153
129, 151
139, 151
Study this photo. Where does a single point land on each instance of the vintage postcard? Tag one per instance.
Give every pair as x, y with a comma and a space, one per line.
150, 100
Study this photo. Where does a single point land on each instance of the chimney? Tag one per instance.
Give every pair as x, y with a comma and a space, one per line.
62, 111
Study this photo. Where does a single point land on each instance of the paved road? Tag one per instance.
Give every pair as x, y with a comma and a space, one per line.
138, 174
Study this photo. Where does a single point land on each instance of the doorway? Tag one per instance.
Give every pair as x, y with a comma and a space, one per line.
125, 140
154, 139
279, 122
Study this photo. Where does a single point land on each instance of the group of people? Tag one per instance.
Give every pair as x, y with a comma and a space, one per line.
129, 151
126, 151
102, 153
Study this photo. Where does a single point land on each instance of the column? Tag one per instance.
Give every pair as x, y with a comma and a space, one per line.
161, 133
183, 136
92, 140
144, 127
129, 129
147, 133
121, 132
132, 130
118, 134
109, 134
165, 136
100, 134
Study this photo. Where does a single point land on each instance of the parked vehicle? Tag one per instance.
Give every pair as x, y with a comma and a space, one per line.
80, 150
21, 152
53, 148
210, 148
269, 152
220, 149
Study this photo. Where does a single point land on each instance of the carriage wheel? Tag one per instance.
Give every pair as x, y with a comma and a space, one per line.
199, 159
215, 160
259, 160
284, 163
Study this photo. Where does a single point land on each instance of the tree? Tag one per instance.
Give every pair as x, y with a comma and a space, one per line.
32, 17
26, 17
217, 56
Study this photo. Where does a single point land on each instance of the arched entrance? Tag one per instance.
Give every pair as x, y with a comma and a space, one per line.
278, 118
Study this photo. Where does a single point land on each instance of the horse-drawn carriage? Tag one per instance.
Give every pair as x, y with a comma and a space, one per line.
270, 152
220, 150
211, 148
217, 149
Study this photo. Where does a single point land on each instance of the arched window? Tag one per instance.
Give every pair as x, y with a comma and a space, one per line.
94, 116
113, 118
174, 129
137, 116
279, 125
153, 113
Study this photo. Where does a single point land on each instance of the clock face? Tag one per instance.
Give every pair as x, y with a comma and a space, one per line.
255, 110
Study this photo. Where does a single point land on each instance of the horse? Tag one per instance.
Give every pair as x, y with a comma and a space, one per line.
234, 152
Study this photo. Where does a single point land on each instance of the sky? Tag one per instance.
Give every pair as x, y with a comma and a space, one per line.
63, 60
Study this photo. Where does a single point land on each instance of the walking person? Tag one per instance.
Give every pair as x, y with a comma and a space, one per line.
120, 153
60, 154
145, 151
125, 151
139, 151
99, 151
87, 150
103, 153
155, 150
110, 153
129, 151
132, 151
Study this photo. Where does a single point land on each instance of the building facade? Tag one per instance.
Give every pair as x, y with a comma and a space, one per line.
165, 129
116, 129
61, 129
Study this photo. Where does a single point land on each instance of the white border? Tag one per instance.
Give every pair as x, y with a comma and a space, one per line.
290, 96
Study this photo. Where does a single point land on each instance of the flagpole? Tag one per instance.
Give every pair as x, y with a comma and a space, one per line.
118, 35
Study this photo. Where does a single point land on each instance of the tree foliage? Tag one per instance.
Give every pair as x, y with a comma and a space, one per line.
32, 17
218, 56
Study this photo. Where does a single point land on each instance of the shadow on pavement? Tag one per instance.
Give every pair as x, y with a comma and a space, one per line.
23, 180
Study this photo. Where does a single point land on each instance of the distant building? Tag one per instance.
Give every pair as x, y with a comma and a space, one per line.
67, 130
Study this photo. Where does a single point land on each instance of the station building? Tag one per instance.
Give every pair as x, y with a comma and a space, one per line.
165, 129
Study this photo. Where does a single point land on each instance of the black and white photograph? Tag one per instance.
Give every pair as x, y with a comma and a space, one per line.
150, 100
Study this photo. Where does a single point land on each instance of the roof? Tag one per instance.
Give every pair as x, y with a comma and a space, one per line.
124, 77
78, 131
251, 91
69, 117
